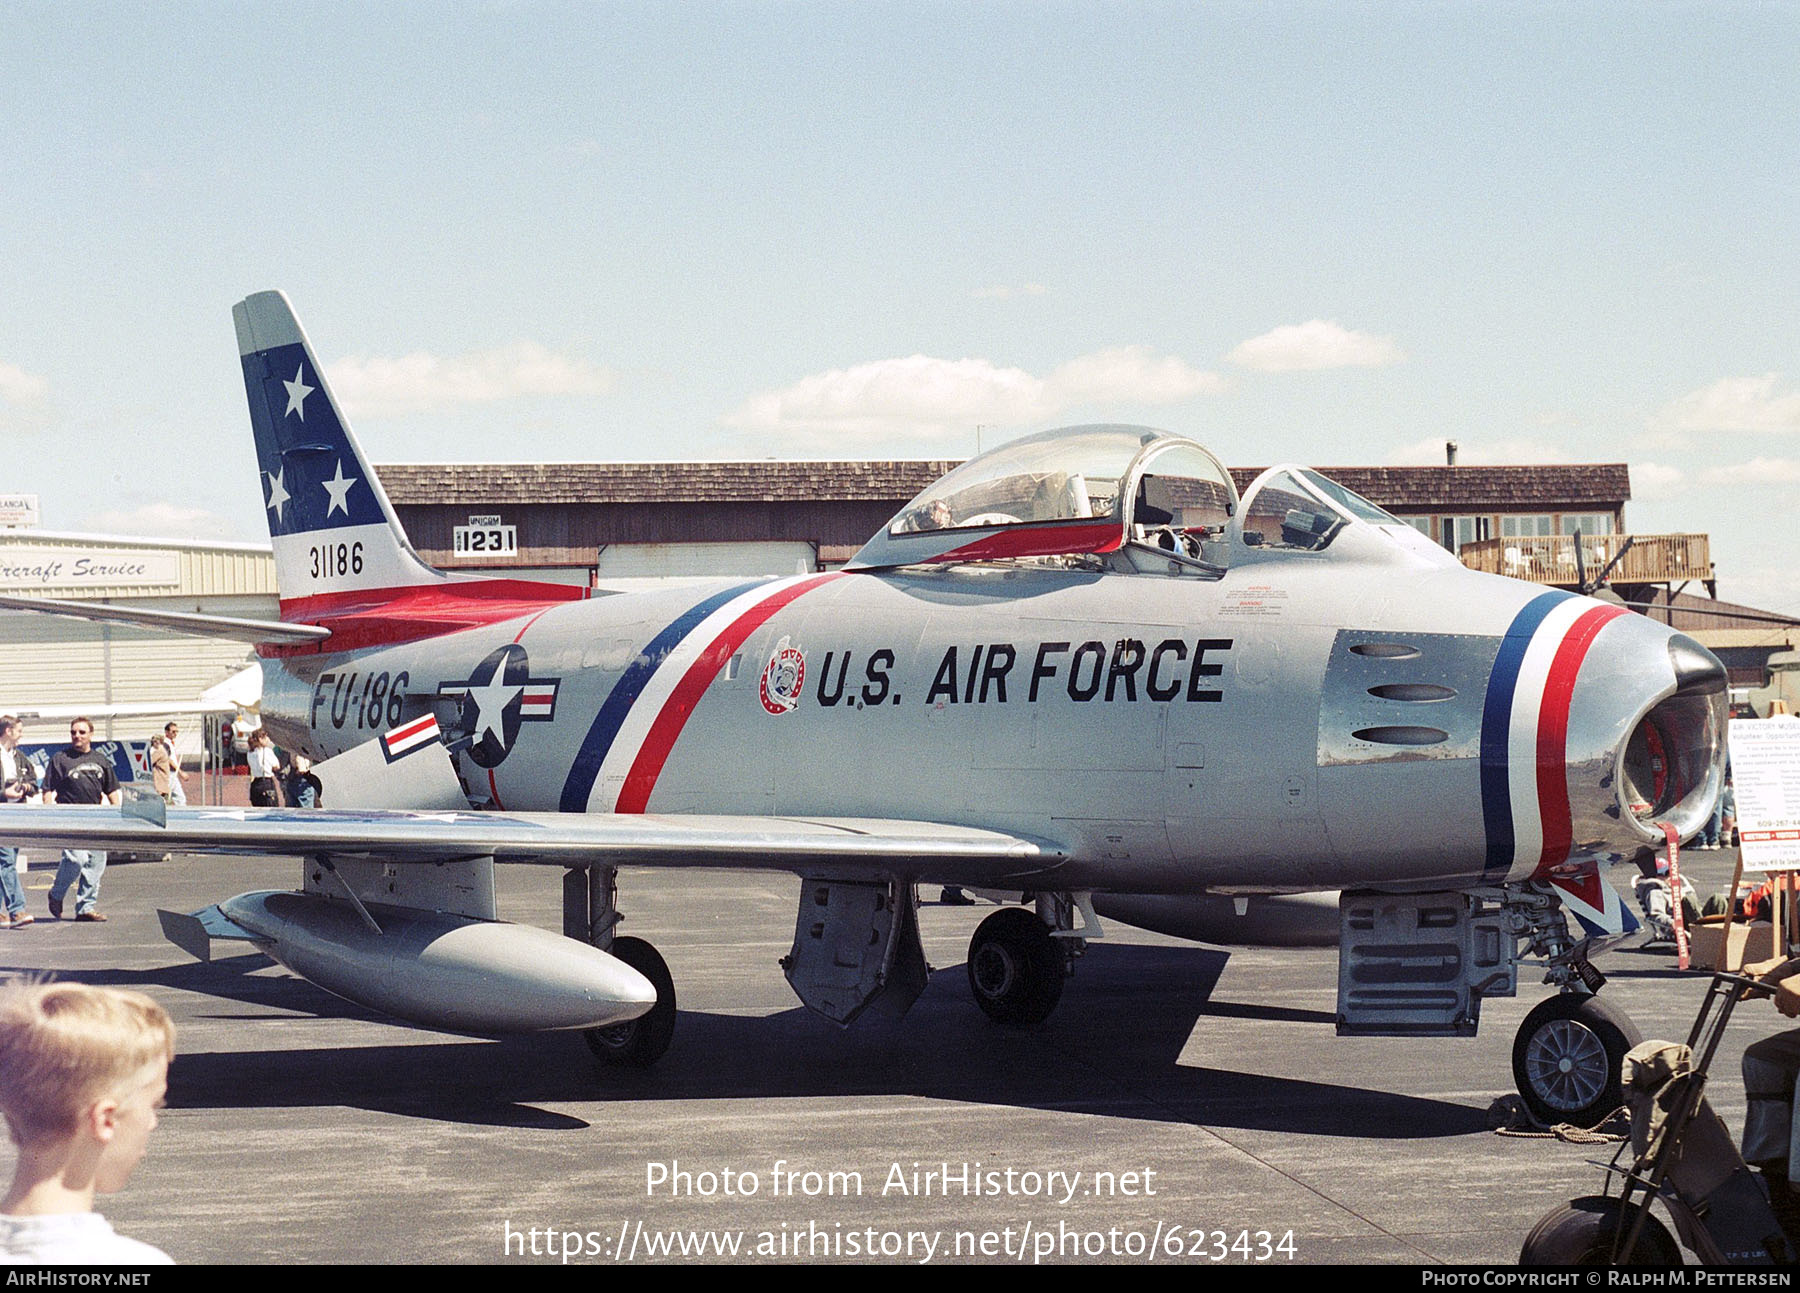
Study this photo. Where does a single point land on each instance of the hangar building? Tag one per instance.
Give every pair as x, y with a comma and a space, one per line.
47, 660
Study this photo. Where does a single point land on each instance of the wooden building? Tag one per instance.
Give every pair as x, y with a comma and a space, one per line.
568, 520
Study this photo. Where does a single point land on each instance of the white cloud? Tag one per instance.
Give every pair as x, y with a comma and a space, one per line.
1651, 481
20, 387
924, 396
161, 520
1733, 404
1006, 291
1318, 343
1128, 374
917, 395
1767, 583
1758, 472
1494, 453
377, 386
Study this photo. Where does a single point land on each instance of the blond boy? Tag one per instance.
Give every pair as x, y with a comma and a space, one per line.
83, 1071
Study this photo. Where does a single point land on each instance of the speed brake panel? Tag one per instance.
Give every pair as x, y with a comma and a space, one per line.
856, 945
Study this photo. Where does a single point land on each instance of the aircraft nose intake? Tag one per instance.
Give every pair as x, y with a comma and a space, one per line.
1672, 760
1698, 672
1643, 738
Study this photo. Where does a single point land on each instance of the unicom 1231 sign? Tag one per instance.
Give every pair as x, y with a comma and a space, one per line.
88, 568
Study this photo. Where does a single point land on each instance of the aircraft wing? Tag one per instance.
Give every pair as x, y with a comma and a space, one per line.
842, 847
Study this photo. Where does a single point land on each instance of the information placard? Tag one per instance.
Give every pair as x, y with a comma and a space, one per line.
1765, 768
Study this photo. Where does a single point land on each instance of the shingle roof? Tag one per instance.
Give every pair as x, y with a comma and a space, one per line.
1498, 489
669, 482
1402, 489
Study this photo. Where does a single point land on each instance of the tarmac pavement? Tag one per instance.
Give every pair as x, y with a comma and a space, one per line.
1190, 1099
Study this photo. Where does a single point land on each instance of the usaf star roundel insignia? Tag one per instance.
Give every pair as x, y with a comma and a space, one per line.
782, 679
498, 696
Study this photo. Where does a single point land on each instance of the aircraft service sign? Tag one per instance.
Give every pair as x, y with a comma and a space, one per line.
35, 569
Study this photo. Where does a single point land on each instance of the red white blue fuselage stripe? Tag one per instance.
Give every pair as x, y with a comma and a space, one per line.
631, 739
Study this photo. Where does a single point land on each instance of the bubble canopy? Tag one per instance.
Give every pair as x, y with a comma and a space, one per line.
1064, 492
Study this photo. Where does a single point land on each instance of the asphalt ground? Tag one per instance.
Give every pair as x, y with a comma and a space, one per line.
1194, 1100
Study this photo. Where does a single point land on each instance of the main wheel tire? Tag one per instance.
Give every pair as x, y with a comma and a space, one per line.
1583, 1231
640, 1042
1566, 1058
1015, 968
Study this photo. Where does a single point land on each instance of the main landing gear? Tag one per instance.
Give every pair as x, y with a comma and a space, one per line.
1018, 960
591, 913
640, 1042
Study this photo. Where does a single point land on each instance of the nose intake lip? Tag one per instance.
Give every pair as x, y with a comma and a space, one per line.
1671, 765
1698, 672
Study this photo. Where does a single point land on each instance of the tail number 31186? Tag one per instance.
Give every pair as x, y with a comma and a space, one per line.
330, 560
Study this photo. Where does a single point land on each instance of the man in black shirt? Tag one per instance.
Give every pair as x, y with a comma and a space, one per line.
80, 776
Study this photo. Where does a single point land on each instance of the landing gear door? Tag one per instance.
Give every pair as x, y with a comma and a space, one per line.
1418, 965
856, 946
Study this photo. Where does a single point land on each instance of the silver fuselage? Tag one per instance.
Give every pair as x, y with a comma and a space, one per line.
1304, 721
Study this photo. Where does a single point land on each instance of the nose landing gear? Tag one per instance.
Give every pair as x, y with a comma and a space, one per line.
1566, 1058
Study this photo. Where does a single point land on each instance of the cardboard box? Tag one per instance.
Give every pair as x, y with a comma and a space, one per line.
1749, 944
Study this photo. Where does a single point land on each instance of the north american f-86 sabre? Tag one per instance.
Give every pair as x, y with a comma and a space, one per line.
1079, 670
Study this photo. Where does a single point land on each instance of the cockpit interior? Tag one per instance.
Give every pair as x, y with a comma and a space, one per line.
1116, 497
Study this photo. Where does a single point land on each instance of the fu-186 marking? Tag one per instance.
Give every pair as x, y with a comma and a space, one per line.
379, 704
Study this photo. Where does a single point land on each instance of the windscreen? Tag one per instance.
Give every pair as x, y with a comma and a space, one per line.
1304, 511
1283, 513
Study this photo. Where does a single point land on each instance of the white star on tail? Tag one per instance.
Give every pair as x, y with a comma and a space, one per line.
339, 488
297, 391
278, 494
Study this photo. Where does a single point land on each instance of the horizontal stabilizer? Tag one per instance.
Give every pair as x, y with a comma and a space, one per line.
228, 627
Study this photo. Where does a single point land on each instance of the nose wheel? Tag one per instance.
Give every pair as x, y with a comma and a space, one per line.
1566, 1058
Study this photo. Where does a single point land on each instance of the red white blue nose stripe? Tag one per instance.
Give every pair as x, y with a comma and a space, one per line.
1524, 734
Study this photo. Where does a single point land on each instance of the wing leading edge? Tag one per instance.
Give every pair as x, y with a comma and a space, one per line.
841, 846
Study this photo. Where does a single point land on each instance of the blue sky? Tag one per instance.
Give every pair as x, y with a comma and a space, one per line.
1334, 233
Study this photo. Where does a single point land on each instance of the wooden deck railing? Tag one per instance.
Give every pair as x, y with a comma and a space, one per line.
1652, 558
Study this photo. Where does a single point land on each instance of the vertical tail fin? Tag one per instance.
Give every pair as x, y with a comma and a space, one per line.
338, 544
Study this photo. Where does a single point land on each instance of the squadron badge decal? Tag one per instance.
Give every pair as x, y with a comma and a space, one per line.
782, 679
